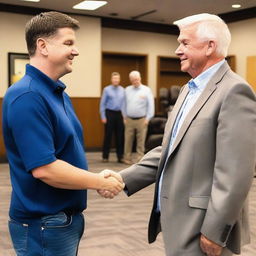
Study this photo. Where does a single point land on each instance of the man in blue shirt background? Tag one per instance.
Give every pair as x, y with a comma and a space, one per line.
111, 115
44, 143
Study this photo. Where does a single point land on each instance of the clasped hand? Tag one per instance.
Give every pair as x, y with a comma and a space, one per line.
113, 189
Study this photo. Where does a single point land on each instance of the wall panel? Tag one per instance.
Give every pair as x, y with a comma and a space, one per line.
87, 110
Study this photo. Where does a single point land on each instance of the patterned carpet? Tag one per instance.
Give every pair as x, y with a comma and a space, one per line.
115, 227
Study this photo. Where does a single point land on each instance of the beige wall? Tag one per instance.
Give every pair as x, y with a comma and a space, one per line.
243, 42
85, 80
12, 40
151, 44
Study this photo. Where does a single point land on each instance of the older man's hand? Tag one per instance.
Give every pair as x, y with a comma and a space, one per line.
209, 247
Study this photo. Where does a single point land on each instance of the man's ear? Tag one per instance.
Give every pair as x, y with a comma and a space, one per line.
211, 48
41, 46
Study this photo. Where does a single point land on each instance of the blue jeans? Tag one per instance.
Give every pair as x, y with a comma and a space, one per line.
53, 235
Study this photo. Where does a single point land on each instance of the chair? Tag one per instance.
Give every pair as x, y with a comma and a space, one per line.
167, 98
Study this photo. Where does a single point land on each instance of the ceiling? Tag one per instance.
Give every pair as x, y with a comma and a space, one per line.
159, 11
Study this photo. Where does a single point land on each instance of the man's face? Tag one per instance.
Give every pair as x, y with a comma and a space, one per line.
135, 80
61, 50
192, 51
115, 80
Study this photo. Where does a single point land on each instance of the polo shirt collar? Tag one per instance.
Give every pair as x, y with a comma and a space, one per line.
55, 86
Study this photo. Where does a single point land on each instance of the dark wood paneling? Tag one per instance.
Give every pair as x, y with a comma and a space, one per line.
87, 110
123, 63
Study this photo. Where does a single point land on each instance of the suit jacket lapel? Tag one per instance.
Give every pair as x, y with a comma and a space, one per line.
170, 124
174, 114
210, 88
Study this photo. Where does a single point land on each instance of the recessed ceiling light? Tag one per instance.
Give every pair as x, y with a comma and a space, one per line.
236, 6
89, 5
30, 0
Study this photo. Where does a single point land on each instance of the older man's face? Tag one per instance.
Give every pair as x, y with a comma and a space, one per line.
192, 51
135, 80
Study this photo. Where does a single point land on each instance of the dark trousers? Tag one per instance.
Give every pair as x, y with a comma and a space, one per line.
114, 125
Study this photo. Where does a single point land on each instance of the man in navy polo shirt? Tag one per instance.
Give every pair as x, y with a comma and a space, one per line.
44, 143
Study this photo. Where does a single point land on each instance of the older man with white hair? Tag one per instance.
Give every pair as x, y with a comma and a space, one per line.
138, 109
204, 169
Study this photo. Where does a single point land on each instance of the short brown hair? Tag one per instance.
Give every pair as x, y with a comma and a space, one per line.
115, 74
46, 24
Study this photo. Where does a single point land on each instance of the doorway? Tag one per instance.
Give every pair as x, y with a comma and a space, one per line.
123, 63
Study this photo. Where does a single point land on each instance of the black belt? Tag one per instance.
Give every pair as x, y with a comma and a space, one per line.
113, 111
136, 118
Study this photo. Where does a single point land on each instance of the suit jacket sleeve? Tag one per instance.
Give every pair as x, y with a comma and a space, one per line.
234, 164
142, 174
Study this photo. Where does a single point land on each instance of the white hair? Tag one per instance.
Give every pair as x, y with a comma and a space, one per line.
209, 27
134, 73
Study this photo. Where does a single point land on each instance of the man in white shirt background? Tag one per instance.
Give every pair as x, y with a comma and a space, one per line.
138, 109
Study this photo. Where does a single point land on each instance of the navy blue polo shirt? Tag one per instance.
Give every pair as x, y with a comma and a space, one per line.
39, 127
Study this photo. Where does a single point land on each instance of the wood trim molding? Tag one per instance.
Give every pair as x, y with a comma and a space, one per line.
239, 15
125, 53
133, 24
87, 110
139, 26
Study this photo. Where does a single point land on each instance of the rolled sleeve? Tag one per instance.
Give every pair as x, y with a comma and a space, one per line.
32, 130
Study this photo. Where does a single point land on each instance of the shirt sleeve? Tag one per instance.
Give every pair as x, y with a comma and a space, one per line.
103, 102
32, 130
123, 107
151, 106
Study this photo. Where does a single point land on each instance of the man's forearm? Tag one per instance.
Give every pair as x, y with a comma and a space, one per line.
61, 174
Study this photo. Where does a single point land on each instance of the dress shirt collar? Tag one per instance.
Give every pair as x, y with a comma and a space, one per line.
115, 87
200, 82
136, 88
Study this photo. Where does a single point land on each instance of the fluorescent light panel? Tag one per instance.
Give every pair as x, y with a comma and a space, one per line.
89, 5
236, 6
30, 0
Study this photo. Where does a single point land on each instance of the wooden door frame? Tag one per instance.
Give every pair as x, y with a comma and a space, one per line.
145, 79
158, 72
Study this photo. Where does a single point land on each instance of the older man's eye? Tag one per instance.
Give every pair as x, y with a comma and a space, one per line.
68, 43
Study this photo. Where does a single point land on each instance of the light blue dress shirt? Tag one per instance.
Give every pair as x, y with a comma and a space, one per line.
112, 98
196, 87
139, 102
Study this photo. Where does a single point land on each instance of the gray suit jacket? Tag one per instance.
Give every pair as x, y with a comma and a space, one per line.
209, 171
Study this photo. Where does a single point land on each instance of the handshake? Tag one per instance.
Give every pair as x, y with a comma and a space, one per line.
112, 184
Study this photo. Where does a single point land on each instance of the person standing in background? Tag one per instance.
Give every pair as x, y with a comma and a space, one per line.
138, 109
111, 115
